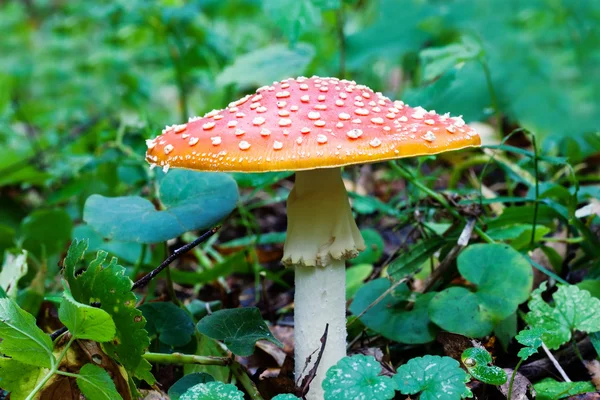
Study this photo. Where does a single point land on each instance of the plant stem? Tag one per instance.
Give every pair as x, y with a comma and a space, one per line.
245, 381
438, 197
178, 358
69, 374
576, 348
512, 378
537, 189
52, 371
556, 364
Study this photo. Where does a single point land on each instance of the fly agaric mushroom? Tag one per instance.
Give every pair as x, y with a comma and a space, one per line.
313, 126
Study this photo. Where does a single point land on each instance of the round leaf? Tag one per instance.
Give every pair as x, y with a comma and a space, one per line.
172, 324
439, 378
192, 200
285, 397
503, 280
390, 317
477, 361
183, 384
374, 248
357, 377
212, 391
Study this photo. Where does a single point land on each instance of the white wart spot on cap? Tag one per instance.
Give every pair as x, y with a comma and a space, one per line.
321, 139
179, 128
429, 136
277, 145
208, 126
305, 98
377, 120
354, 133
150, 143
193, 140
265, 132
243, 145
168, 148
361, 111
258, 121
216, 140
232, 124
281, 95
314, 115
285, 122
429, 122
375, 142
320, 123
239, 132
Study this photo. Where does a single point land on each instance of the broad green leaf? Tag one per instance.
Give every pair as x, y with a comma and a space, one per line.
108, 285
503, 280
46, 231
531, 339
374, 248
18, 378
285, 397
355, 278
96, 384
13, 269
124, 251
478, 362
506, 330
357, 377
238, 328
293, 17
213, 391
85, 322
259, 180
192, 200
433, 377
573, 309
172, 324
438, 60
595, 339
410, 261
591, 285
267, 64
549, 389
21, 338
186, 382
391, 316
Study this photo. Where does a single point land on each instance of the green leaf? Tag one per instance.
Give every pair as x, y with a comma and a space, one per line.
374, 248
285, 397
434, 377
238, 328
531, 339
267, 64
293, 17
21, 338
213, 391
108, 285
13, 269
355, 278
85, 322
46, 231
357, 377
391, 318
172, 324
478, 362
186, 382
438, 60
503, 279
96, 384
573, 309
549, 389
192, 200
259, 180
18, 378
410, 261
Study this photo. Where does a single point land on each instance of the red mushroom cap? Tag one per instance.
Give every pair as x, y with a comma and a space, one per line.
307, 123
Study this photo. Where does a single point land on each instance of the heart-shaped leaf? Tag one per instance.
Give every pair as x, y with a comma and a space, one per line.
503, 280
238, 328
192, 200
478, 362
391, 317
357, 377
436, 378
172, 324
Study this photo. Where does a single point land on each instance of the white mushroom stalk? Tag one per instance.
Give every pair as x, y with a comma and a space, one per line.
321, 235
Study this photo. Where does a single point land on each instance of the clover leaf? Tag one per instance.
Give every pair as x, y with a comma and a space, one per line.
357, 377
503, 279
434, 377
573, 309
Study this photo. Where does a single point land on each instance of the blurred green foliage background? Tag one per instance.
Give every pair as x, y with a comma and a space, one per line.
83, 83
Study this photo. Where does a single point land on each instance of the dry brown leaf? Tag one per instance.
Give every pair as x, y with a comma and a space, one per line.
522, 388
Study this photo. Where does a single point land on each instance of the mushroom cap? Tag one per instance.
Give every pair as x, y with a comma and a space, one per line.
307, 123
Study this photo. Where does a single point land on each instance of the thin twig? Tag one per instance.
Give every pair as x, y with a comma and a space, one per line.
379, 299
556, 364
308, 378
176, 254
244, 380
179, 358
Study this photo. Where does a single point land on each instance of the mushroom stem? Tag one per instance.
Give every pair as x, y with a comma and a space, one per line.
321, 235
